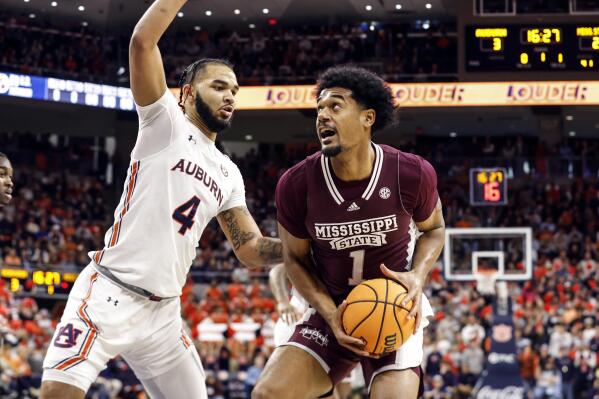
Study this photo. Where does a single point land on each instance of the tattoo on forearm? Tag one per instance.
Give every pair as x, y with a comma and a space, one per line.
270, 250
238, 236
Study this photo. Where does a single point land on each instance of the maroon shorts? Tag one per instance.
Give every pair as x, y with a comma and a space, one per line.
315, 337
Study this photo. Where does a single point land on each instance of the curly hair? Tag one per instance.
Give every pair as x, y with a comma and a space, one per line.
192, 70
368, 89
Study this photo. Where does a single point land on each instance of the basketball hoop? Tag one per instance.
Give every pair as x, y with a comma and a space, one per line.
485, 281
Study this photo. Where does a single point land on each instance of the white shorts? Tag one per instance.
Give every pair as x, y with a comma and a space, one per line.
102, 320
355, 378
337, 361
282, 331
411, 353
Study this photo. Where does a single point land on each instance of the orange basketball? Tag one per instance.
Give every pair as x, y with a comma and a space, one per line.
374, 314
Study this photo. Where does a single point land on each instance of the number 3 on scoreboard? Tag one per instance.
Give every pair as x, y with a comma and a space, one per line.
358, 267
185, 214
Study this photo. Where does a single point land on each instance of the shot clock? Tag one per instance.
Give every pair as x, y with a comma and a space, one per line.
552, 47
488, 186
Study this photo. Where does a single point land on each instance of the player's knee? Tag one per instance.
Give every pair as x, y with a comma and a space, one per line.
59, 390
267, 390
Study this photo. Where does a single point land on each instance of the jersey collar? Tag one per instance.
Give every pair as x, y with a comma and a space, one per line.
327, 172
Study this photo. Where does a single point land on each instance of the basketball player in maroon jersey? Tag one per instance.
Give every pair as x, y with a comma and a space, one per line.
349, 213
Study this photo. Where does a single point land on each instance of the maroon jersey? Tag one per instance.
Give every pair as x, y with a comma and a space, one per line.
355, 226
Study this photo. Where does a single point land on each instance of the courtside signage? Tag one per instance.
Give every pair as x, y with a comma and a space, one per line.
66, 91
437, 95
477, 94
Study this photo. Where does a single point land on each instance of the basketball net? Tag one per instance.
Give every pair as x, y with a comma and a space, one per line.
485, 281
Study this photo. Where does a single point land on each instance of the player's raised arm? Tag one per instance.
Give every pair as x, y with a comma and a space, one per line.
148, 82
250, 246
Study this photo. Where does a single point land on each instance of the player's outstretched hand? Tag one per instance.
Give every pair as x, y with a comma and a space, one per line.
288, 313
353, 344
414, 284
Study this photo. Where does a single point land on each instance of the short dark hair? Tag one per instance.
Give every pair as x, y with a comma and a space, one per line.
192, 70
368, 89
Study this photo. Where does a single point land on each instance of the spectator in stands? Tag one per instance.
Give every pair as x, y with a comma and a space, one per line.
466, 382
529, 365
565, 365
473, 331
277, 55
254, 372
565, 284
12, 259
560, 339
6, 184
474, 357
438, 390
548, 383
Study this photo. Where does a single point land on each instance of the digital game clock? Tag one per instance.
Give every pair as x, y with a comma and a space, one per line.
551, 47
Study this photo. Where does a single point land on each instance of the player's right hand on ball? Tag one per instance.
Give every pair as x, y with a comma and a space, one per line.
353, 344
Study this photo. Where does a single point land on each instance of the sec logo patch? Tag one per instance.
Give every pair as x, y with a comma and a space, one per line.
384, 193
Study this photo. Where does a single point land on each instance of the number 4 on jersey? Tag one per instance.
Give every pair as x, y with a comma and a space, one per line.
185, 214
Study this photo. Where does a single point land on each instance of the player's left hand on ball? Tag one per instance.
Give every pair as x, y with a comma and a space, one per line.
353, 344
414, 282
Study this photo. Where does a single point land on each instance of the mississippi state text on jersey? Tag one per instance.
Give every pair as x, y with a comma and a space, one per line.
355, 226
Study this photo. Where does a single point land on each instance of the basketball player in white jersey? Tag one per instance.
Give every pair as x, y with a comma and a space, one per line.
126, 301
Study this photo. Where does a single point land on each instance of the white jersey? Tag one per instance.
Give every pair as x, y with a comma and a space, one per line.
175, 185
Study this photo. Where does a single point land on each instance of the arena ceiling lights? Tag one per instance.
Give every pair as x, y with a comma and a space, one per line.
122, 14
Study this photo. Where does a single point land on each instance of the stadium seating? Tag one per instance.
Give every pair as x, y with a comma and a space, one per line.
57, 217
277, 55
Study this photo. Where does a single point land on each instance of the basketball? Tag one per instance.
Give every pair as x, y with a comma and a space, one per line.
374, 314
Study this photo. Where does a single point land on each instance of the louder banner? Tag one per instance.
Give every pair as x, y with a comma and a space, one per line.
436, 95
501, 378
303, 96
496, 94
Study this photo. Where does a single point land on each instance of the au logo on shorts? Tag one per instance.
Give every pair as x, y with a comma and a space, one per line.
67, 336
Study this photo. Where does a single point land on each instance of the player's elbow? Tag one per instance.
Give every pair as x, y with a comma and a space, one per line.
265, 390
140, 42
249, 261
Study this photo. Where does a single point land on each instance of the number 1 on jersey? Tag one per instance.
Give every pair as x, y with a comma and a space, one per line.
358, 267
186, 219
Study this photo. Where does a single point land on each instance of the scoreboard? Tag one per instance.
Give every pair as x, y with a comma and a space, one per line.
38, 282
488, 186
551, 47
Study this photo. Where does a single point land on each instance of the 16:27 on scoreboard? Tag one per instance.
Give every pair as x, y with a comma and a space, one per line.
551, 47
